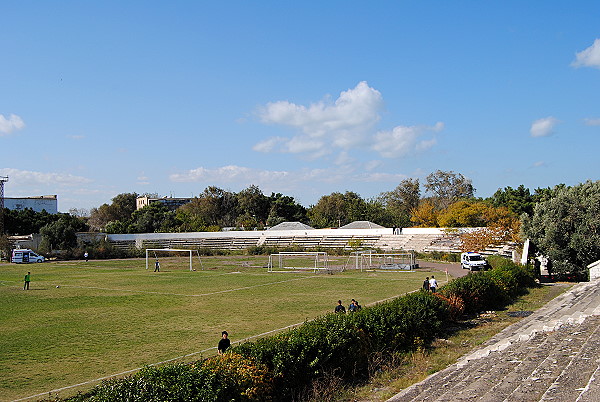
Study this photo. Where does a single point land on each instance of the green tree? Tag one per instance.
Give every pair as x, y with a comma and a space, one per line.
283, 208
5, 247
61, 234
154, 218
26, 221
401, 201
566, 227
121, 208
518, 200
448, 187
253, 206
337, 209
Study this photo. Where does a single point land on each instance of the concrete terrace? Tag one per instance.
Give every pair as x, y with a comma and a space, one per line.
551, 355
387, 239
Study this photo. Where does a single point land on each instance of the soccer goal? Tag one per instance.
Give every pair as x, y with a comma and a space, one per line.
170, 259
298, 261
385, 261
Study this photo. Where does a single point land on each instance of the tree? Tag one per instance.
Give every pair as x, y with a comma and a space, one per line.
61, 234
26, 221
121, 208
566, 227
464, 214
517, 200
401, 201
153, 218
284, 208
425, 215
448, 187
337, 209
5, 247
253, 206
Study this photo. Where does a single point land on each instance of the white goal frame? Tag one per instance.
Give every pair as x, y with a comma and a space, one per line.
385, 261
320, 261
170, 249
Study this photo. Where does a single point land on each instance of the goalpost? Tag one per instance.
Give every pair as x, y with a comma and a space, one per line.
385, 261
299, 261
171, 258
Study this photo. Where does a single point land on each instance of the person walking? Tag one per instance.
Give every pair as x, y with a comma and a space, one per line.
27, 280
432, 284
157, 266
224, 343
86, 256
426, 284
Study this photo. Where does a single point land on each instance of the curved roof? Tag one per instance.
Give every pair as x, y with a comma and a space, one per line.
291, 226
362, 225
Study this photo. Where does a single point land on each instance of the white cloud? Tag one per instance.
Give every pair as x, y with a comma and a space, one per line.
543, 127
11, 124
373, 164
592, 122
589, 57
24, 178
230, 173
403, 140
345, 124
278, 181
342, 124
76, 137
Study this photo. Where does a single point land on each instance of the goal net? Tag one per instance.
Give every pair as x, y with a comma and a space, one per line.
171, 259
385, 261
301, 261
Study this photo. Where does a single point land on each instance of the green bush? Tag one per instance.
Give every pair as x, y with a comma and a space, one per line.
222, 378
342, 343
479, 291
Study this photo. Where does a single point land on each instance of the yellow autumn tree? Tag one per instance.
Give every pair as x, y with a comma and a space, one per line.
425, 215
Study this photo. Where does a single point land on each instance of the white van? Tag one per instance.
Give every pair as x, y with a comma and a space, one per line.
473, 261
25, 255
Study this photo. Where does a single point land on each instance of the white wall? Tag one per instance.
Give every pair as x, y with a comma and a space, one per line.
50, 204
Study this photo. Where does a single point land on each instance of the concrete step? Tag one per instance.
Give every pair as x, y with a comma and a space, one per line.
550, 355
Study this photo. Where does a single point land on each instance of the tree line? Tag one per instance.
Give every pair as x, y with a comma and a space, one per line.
562, 222
446, 199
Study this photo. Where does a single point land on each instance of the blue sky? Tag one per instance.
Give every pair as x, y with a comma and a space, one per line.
302, 98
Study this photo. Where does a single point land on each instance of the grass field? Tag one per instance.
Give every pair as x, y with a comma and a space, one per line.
82, 321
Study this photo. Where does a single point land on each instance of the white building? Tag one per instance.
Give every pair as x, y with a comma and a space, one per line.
38, 204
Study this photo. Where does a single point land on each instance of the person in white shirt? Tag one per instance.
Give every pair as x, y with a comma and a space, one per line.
432, 284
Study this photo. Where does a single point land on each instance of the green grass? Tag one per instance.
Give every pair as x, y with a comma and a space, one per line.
107, 317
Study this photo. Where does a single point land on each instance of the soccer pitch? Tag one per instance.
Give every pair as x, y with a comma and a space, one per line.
83, 321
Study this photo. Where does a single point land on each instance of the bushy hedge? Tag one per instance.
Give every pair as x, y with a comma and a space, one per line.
342, 343
493, 289
230, 377
281, 366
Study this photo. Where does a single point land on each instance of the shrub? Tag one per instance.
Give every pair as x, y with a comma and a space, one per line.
222, 378
479, 292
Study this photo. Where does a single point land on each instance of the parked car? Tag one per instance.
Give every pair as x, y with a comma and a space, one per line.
473, 261
25, 255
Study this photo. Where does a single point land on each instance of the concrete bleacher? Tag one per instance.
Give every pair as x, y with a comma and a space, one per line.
386, 239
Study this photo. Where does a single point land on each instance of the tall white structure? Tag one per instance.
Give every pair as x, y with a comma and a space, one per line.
38, 204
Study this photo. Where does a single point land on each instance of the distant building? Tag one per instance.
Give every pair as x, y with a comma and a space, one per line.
38, 204
169, 202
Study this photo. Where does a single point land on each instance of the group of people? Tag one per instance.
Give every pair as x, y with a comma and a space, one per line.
430, 284
353, 307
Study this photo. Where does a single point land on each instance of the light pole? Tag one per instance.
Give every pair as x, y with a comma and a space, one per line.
3, 179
